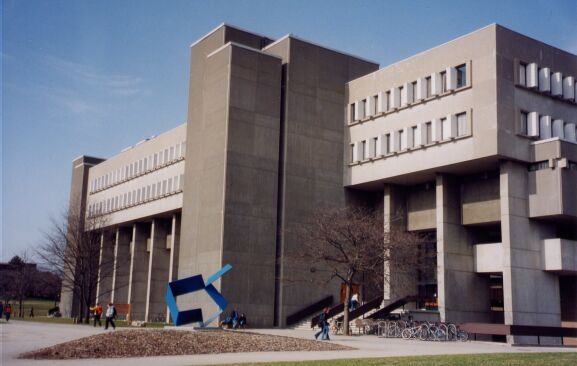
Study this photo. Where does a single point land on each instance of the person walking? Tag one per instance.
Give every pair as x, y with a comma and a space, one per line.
324, 325
8, 311
97, 310
110, 315
31, 314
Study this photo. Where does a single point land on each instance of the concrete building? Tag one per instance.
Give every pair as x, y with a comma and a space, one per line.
473, 141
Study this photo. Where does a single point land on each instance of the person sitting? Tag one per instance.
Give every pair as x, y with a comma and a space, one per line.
242, 321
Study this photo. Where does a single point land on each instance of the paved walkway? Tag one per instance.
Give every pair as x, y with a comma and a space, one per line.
18, 337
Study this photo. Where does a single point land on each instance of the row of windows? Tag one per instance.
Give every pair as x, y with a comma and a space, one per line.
436, 130
546, 81
544, 127
139, 167
543, 165
437, 83
138, 196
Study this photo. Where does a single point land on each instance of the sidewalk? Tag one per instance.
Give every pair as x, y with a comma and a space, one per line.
18, 337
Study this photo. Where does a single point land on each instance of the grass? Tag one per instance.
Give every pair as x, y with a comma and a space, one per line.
494, 359
41, 311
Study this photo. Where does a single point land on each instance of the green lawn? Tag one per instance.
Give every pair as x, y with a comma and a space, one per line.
41, 310
496, 359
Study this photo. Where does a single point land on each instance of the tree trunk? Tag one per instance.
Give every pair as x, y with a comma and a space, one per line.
346, 311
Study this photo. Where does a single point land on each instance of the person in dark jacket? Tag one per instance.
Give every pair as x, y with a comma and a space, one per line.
324, 325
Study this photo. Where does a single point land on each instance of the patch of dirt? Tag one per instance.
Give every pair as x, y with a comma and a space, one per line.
158, 342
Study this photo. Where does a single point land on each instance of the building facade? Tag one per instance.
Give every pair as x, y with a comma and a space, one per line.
473, 142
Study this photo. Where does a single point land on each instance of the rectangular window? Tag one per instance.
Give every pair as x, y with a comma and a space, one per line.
414, 136
443, 81
171, 157
461, 76
165, 156
352, 153
158, 188
140, 166
401, 140
153, 190
147, 192
524, 119
363, 150
461, 124
402, 96
145, 165
389, 100
429, 132
155, 162
138, 195
175, 183
374, 105
352, 112
373, 151
388, 143
522, 74
363, 112
164, 187
445, 129
169, 189
413, 87
131, 170
181, 182
428, 86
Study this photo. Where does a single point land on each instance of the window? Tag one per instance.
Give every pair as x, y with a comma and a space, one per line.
153, 190
155, 161
352, 112
169, 189
388, 143
352, 153
401, 94
414, 135
461, 76
413, 87
401, 141
524, 119
428, 87
373, 152
181, 182
461, 124
443, 81
445, 129
374, 105
164, 187
363, 112
363, 150
158, 188
147, 192
389, 100
171, 153
522, 74
542, 165
429, 132
165, 160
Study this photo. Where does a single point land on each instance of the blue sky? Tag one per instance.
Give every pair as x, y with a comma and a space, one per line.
92, 77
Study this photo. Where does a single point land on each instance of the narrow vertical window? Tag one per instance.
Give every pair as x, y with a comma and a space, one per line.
445, 130
181, 182
461, 124
352, 112
374, 147
461, 75
414, 136
428, 87
429, 132
443, 81
522, 74
363, 150
171, 157
523, 121
388, 143
352, 153
389, 99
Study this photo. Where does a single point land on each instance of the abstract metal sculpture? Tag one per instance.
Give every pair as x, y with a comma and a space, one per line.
193, 284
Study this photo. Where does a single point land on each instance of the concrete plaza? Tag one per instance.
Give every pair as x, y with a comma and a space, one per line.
18, 337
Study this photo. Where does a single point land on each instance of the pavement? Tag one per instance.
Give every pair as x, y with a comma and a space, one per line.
18, 336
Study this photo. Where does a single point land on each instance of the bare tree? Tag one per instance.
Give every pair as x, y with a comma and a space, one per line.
18, 281
346, 242
72, 250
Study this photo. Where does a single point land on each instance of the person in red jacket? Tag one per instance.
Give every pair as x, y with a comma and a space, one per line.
8, 311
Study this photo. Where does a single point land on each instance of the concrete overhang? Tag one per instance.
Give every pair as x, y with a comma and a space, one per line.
559, 255
488, 258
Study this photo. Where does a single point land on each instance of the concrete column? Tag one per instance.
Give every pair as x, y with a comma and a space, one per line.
138, 283
463, 295
122, 260
531, 295
105, 267
174, 249
397, 283
158, 268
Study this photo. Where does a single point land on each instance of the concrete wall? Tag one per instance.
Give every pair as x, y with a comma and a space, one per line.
310, 175
421, 207
478, 99
122, 260
138, 282
531, 295
480, 201
77, 205
463, 295
158, 269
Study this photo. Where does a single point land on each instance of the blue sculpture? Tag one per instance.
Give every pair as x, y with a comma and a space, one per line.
193, 284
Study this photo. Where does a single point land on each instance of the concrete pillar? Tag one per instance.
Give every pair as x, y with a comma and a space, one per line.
138, 282
105, 267
531, 295
158, 268
397, 283
463, 295
174, 241
122, 260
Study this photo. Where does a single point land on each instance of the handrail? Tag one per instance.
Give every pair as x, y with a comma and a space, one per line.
335, 310
363, 309
380, 314
513, 329
309, 310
